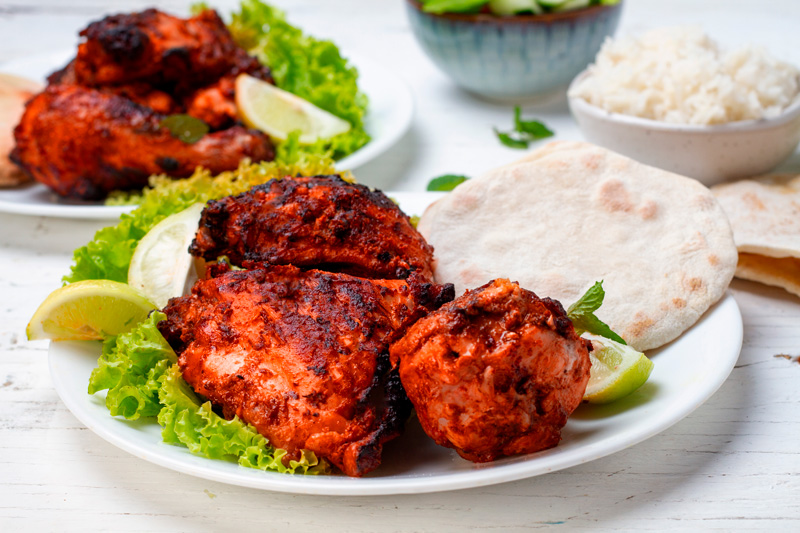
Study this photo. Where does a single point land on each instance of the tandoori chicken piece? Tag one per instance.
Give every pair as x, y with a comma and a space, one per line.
215, 104
160, 49
319, 222
140, 93
495, 372
96, 127
301, 355
84, 143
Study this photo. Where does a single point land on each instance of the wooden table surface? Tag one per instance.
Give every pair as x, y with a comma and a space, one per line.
733, 464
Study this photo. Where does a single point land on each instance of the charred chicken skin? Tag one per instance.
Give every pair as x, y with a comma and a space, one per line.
302, 355
160, 49
96, 128
83, 143
315, 222
495, 372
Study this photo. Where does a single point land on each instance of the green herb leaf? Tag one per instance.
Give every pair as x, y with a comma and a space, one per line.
438, 7
590, 301
510, 141
581, 313
525, 132
532, 128
447, 182
185, 127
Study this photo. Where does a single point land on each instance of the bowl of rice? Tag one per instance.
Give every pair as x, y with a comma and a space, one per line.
674, 99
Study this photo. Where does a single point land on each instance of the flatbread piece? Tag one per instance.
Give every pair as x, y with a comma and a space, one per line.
14, 92
765, 217
573, 213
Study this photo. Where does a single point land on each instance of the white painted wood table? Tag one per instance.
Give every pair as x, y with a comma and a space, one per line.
733, 464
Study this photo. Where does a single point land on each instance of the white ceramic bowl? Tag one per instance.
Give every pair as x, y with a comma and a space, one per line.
710, 154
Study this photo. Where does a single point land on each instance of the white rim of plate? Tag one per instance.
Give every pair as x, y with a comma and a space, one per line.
729, 345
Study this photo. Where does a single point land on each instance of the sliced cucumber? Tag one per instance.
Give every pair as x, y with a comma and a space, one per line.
572, 4
512, 7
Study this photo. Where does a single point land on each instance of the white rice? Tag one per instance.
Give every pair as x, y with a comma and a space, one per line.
680, 75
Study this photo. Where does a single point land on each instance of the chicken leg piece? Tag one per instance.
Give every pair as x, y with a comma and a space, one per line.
84, 143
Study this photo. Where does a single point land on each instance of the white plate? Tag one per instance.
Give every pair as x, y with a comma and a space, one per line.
687, 372
391, 108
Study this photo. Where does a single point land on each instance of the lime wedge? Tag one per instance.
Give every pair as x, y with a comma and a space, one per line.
278, 113
88, 310
617, 370
161, 266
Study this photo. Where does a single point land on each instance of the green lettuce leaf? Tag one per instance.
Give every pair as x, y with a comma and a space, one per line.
312, 69
130, 368
108, 255
189, 423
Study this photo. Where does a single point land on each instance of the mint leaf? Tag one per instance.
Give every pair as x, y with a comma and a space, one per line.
446, 182
438, 7
581, 313
510, 141
590, 301
525, 132
532, 128
185, 127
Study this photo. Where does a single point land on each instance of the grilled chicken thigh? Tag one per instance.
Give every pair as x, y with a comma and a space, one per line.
495, 372
302, 355
316, 222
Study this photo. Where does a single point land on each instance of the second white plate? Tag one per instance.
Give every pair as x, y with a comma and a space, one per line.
391, 109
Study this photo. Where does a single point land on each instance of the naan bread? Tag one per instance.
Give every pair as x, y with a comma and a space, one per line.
765, 217
571, 214
14, 92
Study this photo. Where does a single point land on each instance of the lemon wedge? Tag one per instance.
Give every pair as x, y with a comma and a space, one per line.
617, 370
88, 310
161, 266
278, 113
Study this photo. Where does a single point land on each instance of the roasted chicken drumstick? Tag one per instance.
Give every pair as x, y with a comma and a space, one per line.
83, 143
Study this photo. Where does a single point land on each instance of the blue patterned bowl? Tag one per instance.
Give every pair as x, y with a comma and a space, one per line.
516, 57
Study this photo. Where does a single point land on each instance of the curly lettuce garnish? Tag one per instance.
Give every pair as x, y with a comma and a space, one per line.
188, 422
131, 367
140, 373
